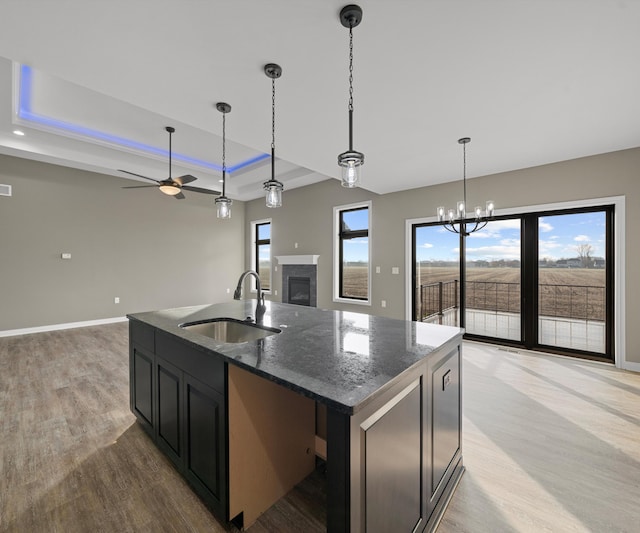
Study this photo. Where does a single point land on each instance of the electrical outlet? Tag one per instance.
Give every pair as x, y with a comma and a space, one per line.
65, 255
228, 291
377, 270
395, 270
383, 303
116, 300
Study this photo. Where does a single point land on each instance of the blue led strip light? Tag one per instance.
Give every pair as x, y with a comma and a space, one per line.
25, 113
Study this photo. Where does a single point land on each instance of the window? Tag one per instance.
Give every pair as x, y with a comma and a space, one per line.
352, 279
261, 254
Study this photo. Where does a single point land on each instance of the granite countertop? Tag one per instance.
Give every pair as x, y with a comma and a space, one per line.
338, 358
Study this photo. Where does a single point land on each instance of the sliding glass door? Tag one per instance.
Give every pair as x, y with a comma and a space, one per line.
572, 281
493, 279
436, 275
539, 280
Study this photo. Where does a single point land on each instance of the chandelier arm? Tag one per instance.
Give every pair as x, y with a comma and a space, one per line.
451, 228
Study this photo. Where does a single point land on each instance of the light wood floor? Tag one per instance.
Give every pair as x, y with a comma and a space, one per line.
550, 444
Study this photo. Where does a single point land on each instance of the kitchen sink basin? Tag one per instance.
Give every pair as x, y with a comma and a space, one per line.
230, 330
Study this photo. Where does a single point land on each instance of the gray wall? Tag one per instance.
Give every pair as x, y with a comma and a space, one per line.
306, 218
151, 250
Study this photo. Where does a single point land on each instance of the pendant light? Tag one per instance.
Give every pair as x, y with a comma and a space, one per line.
223, 204
459, 215
350, 161
273, 186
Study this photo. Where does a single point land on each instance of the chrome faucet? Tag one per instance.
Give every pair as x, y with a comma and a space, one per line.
260, 306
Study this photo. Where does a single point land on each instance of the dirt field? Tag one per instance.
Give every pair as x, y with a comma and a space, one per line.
548, 276
355, 281
569, 293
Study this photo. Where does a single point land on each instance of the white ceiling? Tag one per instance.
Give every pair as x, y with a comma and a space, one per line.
530, 81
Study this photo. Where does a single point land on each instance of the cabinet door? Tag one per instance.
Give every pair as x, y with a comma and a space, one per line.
392, 454
169, 385
142, 387
205, 443
443, 408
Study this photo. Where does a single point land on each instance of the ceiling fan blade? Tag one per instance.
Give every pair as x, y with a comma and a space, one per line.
199, 189
139, 175
187, 178
179, 196
140, 187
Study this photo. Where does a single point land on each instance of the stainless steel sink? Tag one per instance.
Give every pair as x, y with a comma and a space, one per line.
230, 330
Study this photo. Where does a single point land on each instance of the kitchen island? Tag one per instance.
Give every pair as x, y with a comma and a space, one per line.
240, 420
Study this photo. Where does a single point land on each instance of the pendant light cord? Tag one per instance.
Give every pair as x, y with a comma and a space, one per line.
224, 166
464, 176
273, 128
351, 87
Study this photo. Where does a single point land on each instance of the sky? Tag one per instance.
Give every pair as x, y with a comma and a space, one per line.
559, 237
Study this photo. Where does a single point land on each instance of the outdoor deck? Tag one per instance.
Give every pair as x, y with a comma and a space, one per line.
586, 335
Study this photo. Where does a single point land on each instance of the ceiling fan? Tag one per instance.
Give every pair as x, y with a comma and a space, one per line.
171, 186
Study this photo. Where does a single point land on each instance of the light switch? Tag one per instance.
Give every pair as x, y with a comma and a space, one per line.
66, 255
395, 270
377, 270
383, 303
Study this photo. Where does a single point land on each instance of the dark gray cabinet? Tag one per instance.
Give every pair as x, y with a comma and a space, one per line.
400, 456
169, 401
205, 437
184, 415
141, 375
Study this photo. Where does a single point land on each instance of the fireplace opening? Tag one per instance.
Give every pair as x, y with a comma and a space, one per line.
299, 291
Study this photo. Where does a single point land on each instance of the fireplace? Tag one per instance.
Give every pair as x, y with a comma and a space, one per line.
299, 291
299, 279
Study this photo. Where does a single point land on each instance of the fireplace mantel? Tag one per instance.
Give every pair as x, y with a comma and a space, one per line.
297, 259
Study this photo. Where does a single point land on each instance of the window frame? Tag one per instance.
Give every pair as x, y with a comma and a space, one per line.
338, 238
616, 259
255, 256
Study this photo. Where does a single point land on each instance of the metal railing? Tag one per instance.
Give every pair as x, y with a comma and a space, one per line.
579, 302
436, 298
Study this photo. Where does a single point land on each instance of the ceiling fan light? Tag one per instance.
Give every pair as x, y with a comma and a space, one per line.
274, 193
223, 207
171, 190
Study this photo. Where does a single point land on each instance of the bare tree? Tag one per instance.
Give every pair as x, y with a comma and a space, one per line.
585, 251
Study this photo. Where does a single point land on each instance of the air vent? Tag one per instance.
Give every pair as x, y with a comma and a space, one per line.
5, 190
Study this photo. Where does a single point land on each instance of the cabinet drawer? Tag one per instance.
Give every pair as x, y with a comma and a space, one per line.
142, 335
207, 366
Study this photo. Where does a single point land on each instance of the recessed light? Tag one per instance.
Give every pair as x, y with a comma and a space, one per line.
18, 132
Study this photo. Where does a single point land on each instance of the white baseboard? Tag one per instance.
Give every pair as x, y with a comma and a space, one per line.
634, 367
54, 327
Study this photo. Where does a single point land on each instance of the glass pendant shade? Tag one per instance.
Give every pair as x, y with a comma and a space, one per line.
274, 193
490, 208
223, 207
351, 165
440, 211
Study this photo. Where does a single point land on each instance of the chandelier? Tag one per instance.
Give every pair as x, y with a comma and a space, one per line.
456, 219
